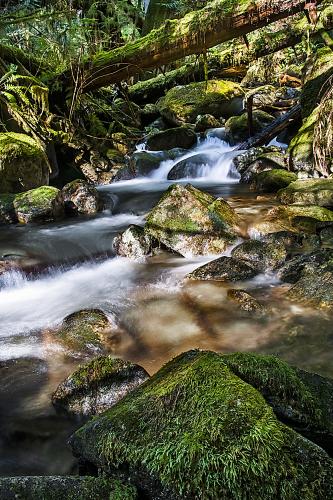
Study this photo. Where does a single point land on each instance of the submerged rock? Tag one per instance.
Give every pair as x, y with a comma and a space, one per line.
308, 192
224, 269
23, 163
260, 255
189, 221
41, 204
180, 137
195, 427
81, 198
84, 331
237, 128
64, 488
246, 302
218, 98
133, 243
292, 218
98, 385
270, 181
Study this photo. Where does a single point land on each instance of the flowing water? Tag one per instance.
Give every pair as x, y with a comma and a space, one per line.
154, 314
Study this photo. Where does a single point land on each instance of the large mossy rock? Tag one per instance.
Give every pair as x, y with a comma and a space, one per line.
291, 218
271, 181
84, 331
133, 243
98, 385
41, 204
294, 268
179, 137
80, 197
218, 98
64, 488
237, 127
308, 192
315, 287
300, 149
197, 430
23, 163
191, 222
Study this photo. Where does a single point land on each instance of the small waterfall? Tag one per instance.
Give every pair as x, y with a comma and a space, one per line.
211, 159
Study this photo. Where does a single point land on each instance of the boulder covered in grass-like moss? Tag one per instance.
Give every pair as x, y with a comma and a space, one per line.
197, 430
64, 488
41, 204
23, 163
237, 127
192, 222
98, 385
218, 98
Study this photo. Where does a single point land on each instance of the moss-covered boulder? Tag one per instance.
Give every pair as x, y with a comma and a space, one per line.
84, 331
315, 287
260, 255
23, 163
64, 488
41, 204
300, 149
270, 181
293, 269
98, 385
224, 269
291, 218
237, 127
7, 210
133, 243
81, 198
308, 192
301, 399
218, 98
197, 430
191, 222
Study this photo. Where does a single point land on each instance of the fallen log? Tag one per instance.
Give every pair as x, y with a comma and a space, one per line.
272, 130
216, 23
231, 61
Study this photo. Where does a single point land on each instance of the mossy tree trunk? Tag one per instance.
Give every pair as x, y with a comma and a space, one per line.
218, 22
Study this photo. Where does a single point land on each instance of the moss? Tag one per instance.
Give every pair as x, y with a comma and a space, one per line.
301, 146
7, 211
237, 127
23, 164
184, 104
319, 69
83, 331
65, 488
308, 191
271, 181
205, 433
43, 203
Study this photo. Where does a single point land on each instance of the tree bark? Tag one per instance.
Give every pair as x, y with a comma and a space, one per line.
218, 22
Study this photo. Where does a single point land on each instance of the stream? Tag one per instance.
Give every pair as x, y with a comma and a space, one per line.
154, 314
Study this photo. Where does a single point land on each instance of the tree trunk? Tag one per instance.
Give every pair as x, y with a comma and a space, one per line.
218, 22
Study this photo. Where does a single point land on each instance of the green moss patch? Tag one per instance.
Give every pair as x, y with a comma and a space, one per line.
308, 191
270, 181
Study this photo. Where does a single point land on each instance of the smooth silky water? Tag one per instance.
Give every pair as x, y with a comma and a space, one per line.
154, 313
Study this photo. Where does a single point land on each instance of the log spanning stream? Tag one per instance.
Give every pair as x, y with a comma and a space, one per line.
155, 313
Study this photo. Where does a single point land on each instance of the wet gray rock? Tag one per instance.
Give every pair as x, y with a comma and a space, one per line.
224, 269
98, 385
258, 159
246, 302
204, 122
260, 255
63, 488
293, 242
189, 167
133, 243
314, 288
293, 269
180, 137
80, 197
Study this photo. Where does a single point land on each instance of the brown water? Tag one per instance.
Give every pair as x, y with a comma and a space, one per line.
155, 315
